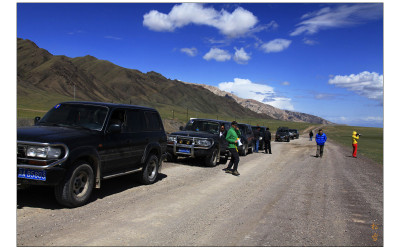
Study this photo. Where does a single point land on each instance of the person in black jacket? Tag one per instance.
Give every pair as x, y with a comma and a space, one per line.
267, 141
311, 135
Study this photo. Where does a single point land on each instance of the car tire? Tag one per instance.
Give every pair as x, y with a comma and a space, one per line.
77, 187
150, 170
211, 160
244, 150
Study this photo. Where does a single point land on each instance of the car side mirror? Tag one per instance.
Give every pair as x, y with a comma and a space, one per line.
114, 128
36, 120
181, 128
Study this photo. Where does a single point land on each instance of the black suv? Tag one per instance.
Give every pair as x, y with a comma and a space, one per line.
200, 138
294, 133
282, 134
78, 144
247, 139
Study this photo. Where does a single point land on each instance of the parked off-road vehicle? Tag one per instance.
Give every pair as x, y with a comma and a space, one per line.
247, 139
294, 133
282, 134
200, 138
76, 145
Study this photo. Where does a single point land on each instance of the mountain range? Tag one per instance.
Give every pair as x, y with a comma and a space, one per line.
92, 79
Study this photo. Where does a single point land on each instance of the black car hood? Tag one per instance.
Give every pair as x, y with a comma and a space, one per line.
194, 134
51, 134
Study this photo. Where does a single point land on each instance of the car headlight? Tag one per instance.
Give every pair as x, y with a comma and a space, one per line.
45, 152
171, 138
203, 142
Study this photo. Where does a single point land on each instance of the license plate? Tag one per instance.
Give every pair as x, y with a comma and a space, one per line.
184, 150
32, 174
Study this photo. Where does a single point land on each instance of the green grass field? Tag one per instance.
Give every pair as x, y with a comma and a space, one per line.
369, 145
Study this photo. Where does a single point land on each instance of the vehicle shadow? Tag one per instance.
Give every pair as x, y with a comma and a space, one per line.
192, 162
43, 197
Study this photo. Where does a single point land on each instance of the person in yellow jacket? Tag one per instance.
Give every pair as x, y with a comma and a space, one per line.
355, 138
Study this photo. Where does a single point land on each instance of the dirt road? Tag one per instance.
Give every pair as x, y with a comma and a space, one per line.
288, 198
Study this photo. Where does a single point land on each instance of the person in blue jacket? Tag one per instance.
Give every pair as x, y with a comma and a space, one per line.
320, 138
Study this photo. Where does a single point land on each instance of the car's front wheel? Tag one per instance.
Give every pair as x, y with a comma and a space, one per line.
211, 160
77, 187
150, 170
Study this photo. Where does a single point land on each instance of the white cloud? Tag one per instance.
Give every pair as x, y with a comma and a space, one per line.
309, 41
341, 16
241, 56
189, 51
113, 37
244, 88
276, 45
365, 84
286, 83
234, 24
218, 55
369, 121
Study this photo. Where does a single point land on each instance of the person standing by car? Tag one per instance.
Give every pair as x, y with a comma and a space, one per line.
233, 136
311, 134
257, 134
355, 138
267, 141
320, 138
222, 131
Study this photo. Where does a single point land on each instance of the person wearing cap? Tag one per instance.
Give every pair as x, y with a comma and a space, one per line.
233, 136
267, 141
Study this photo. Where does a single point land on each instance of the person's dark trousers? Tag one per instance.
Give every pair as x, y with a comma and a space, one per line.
320, 150
234, 159
268, 147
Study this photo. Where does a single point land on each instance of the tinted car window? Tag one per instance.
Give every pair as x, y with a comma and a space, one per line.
205, 126
153, 121
76, 115
134, 120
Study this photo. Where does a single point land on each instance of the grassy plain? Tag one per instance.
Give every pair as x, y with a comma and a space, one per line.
369, 145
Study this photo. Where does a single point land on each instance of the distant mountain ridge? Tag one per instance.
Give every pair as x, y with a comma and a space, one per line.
100, 80
262, 108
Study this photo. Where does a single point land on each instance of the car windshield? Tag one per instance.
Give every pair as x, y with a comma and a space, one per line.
203, 126
76, 115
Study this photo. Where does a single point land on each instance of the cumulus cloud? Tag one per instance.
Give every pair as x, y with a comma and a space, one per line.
234, 24
189, 51
241, 56
244, 88
341, 16
365, 84
218, 55
276, 45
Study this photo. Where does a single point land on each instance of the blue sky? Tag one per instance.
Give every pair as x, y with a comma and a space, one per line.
324, 59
